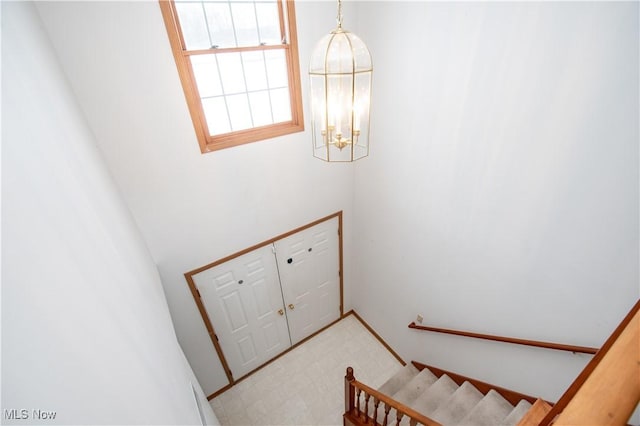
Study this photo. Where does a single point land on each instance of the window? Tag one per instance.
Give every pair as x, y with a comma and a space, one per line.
238, 64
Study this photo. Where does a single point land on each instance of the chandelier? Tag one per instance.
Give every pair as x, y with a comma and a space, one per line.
340, 74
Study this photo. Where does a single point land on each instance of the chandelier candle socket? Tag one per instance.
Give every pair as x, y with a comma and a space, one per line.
340, 74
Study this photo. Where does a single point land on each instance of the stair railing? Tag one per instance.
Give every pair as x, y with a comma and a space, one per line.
546, 345
362, 404
606, 392
608, 389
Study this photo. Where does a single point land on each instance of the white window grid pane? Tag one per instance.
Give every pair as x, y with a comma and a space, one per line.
205, 71
239, 112
248, 107
276, 63
268, 22
255, 70
217, 115
261, 111
220, 24
232, 73
245, 24
194, 27
280, 105
229, 23
239, 90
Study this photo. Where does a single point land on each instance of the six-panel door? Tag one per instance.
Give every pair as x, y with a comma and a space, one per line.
263, 302
243, 300
308, 264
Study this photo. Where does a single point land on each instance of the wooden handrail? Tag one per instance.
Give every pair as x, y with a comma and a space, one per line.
361, 417
607, 390
536, 413
535, 343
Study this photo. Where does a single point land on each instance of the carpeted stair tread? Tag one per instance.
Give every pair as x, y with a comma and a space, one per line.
415, 387
517, 413
444, 401
456, 408
398, 380
490, 411
434, 396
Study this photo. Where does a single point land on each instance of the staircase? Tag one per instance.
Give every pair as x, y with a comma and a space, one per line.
443, 400
421, 394
606, 392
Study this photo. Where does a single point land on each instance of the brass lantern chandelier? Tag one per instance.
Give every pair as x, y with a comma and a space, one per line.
340, 74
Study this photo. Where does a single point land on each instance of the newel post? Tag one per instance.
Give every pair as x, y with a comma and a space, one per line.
349, 391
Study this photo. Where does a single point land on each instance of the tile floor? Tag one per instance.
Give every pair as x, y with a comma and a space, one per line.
306, 386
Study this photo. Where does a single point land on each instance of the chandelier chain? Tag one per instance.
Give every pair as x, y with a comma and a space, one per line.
339, 17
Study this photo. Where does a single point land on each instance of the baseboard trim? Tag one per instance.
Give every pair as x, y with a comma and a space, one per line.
230, 385
219, 391
351, 312
376, 335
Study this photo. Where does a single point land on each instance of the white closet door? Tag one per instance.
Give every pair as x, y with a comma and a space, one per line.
308, 262
243, 300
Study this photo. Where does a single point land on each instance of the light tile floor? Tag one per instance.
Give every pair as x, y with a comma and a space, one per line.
306, 386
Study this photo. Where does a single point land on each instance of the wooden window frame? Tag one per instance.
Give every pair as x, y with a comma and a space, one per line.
207, 142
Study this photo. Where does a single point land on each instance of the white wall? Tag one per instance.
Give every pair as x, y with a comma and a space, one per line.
501, 195
191, 208
86, 332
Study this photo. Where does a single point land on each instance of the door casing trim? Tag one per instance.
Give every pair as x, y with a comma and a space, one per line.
209, 325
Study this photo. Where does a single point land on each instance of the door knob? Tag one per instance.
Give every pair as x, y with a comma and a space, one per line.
281, 311
291, 306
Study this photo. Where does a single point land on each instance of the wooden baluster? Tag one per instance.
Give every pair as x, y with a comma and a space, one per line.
387, 408
358, 392
399, 417
366, 407
376, 403
348, 390
413, 422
